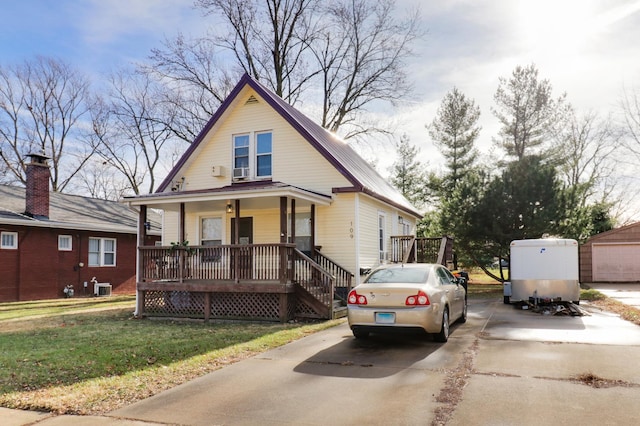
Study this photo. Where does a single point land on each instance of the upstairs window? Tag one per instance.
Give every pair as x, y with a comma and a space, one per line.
252, 155
241, 151
263, 154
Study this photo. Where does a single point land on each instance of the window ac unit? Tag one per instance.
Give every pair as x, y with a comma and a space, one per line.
240, 172
102, 289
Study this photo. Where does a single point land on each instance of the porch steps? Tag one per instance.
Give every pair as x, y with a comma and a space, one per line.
339, 310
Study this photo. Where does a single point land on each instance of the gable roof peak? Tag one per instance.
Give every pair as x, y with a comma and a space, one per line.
362, 176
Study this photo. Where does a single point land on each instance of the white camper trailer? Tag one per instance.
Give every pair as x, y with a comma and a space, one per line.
543, 269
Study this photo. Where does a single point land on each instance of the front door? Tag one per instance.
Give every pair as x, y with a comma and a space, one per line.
243, 255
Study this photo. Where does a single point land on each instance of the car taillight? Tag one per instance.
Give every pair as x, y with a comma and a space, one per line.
356, 299
420, 299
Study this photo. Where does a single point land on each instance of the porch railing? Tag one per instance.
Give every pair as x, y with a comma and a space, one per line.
409, 249
317, 281
256, 262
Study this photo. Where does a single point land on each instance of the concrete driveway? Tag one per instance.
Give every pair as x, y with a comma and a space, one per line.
503, 367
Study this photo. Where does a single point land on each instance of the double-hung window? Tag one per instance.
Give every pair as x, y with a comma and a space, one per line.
102, 252
263, 154
241, 151
9, 240
252, 155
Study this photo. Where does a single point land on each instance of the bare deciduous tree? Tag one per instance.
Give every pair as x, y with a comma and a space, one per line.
269, 39
44, 106
128, 132
361, 54
344, 55
194, 82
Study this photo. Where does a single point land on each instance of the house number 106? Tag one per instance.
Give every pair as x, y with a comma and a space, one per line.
351, 230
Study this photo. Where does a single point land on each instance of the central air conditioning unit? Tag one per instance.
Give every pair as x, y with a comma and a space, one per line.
240, 172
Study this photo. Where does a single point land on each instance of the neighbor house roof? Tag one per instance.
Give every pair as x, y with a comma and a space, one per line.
362, 176
73, 212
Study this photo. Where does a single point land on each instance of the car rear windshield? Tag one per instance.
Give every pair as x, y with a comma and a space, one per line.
398, 275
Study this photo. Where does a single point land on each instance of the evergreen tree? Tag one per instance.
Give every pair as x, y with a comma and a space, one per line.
407, 173
526, 110
454, 131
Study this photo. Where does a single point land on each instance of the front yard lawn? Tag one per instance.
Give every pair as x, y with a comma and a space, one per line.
86, 356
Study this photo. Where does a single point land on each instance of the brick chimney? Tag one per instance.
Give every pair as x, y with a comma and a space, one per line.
37, 193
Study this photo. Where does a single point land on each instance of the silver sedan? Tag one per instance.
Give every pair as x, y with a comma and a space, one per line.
418, 296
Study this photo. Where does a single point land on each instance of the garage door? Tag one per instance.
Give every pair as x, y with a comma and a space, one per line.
616, 262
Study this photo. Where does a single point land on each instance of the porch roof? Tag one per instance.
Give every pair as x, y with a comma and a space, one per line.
265, 194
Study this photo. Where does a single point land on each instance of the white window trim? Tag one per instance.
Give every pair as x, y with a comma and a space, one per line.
14, 246
221, 216
68, 238
101, 252
253, 153
382, 254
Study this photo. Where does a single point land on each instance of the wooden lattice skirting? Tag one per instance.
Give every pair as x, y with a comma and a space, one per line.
222, 305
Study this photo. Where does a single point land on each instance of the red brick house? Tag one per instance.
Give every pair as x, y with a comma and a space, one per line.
49, 241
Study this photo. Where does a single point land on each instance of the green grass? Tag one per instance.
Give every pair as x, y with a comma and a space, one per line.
90, 355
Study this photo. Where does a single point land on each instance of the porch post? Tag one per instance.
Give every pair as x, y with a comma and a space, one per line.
283, 219
283, 239
142, 230
142, 237
312, 218
292, 235
236, 240
181, 224
236, 233
181, 254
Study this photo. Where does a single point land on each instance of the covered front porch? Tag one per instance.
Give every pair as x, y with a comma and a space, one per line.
239, 267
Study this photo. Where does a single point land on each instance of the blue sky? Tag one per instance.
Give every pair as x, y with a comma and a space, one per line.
587, 48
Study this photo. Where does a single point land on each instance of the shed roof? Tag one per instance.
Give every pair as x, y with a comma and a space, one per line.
632, 229
362, 176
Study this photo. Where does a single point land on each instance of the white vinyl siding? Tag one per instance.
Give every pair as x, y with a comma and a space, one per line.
293, 159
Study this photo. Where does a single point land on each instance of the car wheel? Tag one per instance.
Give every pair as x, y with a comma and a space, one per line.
463, 318
360, 334
443, 336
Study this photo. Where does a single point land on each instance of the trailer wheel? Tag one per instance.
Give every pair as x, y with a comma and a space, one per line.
507, 300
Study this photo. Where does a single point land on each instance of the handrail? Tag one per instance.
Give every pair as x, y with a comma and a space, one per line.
313, 278
344, 278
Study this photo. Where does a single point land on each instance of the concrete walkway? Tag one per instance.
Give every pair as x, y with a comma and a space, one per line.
622, 292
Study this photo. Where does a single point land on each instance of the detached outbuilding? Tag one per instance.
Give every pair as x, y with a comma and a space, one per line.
612, 256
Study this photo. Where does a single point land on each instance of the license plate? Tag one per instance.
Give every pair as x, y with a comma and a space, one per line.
385, 318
